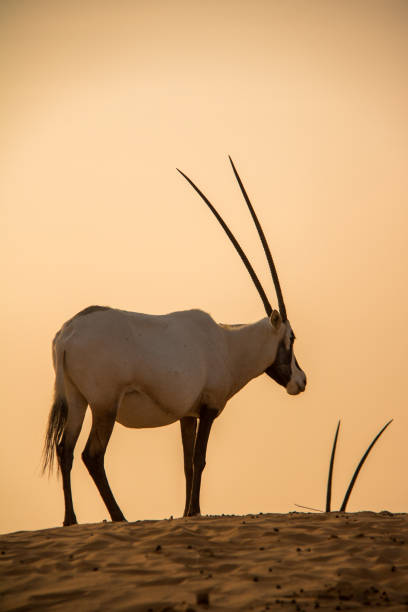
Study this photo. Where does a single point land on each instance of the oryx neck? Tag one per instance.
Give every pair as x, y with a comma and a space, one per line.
252, 348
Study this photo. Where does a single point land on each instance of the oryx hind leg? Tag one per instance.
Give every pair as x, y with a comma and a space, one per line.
103, 420
76, 408
188, 435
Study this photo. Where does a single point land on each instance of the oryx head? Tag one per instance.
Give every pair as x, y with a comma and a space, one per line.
285, 369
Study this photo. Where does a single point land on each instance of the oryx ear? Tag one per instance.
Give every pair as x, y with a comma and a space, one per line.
275, 319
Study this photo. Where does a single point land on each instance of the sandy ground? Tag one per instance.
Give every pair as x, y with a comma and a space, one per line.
258, 562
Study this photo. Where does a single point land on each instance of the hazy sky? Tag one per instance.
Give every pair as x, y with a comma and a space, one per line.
101, 101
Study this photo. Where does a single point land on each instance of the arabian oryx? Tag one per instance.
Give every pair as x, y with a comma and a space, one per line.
152, 370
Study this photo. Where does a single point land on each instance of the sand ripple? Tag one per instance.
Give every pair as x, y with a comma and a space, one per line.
258, 562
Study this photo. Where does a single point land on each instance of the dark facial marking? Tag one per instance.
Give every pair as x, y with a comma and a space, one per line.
281, 368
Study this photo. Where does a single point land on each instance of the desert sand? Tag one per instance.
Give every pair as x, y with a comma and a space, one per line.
296, 561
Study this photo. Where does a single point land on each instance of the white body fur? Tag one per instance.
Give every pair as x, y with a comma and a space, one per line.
156, 369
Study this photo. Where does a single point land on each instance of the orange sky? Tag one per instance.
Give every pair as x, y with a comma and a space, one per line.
101, 101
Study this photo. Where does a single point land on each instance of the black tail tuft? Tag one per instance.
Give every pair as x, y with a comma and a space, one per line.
56, 423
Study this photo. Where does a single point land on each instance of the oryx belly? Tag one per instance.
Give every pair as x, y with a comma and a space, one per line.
139, 410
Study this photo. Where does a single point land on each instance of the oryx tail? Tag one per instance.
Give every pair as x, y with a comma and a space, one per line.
58, 414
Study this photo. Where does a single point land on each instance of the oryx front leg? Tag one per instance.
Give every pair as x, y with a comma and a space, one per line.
103, 420
188, 436
207, 416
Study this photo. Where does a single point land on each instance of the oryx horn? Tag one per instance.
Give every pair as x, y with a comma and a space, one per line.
252, 273
281, 303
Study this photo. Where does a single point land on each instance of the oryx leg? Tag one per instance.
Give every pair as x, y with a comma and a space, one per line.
188, 435
207, 416
103, 420
76, 408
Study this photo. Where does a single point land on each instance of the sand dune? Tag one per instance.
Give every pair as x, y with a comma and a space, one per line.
257, 562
